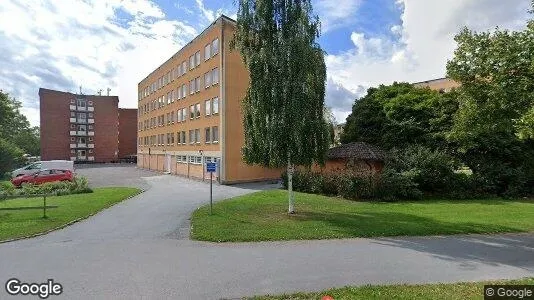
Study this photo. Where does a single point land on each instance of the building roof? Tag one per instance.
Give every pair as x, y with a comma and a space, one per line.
358, 150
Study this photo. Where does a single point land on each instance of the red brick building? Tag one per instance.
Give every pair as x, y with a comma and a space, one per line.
85, 128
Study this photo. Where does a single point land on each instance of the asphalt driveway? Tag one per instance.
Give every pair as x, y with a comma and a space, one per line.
139, 249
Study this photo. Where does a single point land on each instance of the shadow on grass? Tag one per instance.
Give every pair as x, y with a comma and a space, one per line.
370, 224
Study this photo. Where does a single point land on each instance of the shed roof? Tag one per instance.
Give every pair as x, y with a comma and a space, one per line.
358, 150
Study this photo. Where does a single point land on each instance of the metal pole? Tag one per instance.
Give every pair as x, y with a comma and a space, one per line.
44, 206
211, 193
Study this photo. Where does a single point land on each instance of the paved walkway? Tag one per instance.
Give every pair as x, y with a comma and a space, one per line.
139, 249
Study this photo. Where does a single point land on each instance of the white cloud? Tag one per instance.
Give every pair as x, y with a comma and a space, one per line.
335, 14
83, 43
422, 44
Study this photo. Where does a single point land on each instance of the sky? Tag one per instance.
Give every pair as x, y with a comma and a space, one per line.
101, 44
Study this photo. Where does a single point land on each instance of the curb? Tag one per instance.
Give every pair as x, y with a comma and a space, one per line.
71, 222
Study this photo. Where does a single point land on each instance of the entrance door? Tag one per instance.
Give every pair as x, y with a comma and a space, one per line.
167, 163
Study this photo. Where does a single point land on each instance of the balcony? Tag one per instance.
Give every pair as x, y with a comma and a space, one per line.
72, 132
91, 133
72, 146
81, 121
72, 107
73, 120
92, 146
91, 158
90, 108
91, 121
82, 145
82, 132
81, 108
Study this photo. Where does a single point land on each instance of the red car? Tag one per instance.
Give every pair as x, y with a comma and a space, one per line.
43, 176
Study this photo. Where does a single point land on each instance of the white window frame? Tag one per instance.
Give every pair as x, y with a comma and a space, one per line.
215, 49
215, 138
207, 135
213, 106
207, 52
215, 74
207, 107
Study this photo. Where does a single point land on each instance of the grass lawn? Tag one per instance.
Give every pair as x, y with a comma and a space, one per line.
262, 217
428, 291
19, 223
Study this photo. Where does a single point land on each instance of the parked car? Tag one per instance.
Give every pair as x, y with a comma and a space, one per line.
44, 165
43, 176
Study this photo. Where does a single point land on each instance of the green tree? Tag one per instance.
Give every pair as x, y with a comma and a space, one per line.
399, 115
284, 105
16, 135
492, 127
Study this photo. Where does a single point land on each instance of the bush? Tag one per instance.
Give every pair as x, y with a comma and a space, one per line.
431, 170
78, 186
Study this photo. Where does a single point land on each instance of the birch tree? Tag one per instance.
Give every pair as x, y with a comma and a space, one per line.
284, 104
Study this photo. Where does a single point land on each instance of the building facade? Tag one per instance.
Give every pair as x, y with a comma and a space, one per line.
443, 85
85, 128
190, 111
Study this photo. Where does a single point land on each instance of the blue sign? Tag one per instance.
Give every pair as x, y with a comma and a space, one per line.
211, 167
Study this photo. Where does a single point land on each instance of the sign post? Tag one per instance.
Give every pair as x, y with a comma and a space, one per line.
211, 167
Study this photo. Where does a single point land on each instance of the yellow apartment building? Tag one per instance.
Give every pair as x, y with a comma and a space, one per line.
189, 111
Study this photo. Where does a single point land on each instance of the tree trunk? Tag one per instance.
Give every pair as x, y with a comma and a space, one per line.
290, 188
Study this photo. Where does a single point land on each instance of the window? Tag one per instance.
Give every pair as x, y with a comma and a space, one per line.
191, 112
90, 150
172, 117
215, 76
179, 115
207, 135
82, 116
197, 110
72, 101
192, 159
215, 47
215, 133
207, 80
82, 128
184, 114
207, 52
90, 103
197, 58
198, 160
192, 87
183, 138
90, 139
168, 118
184, 91
177, 94
72, 126
72, 151
197, 136
191, 136
90, 115
184, 67
215, 106
82, 103
207, 107
72, 139
72, 114
91, 127
197, 84
191, 62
